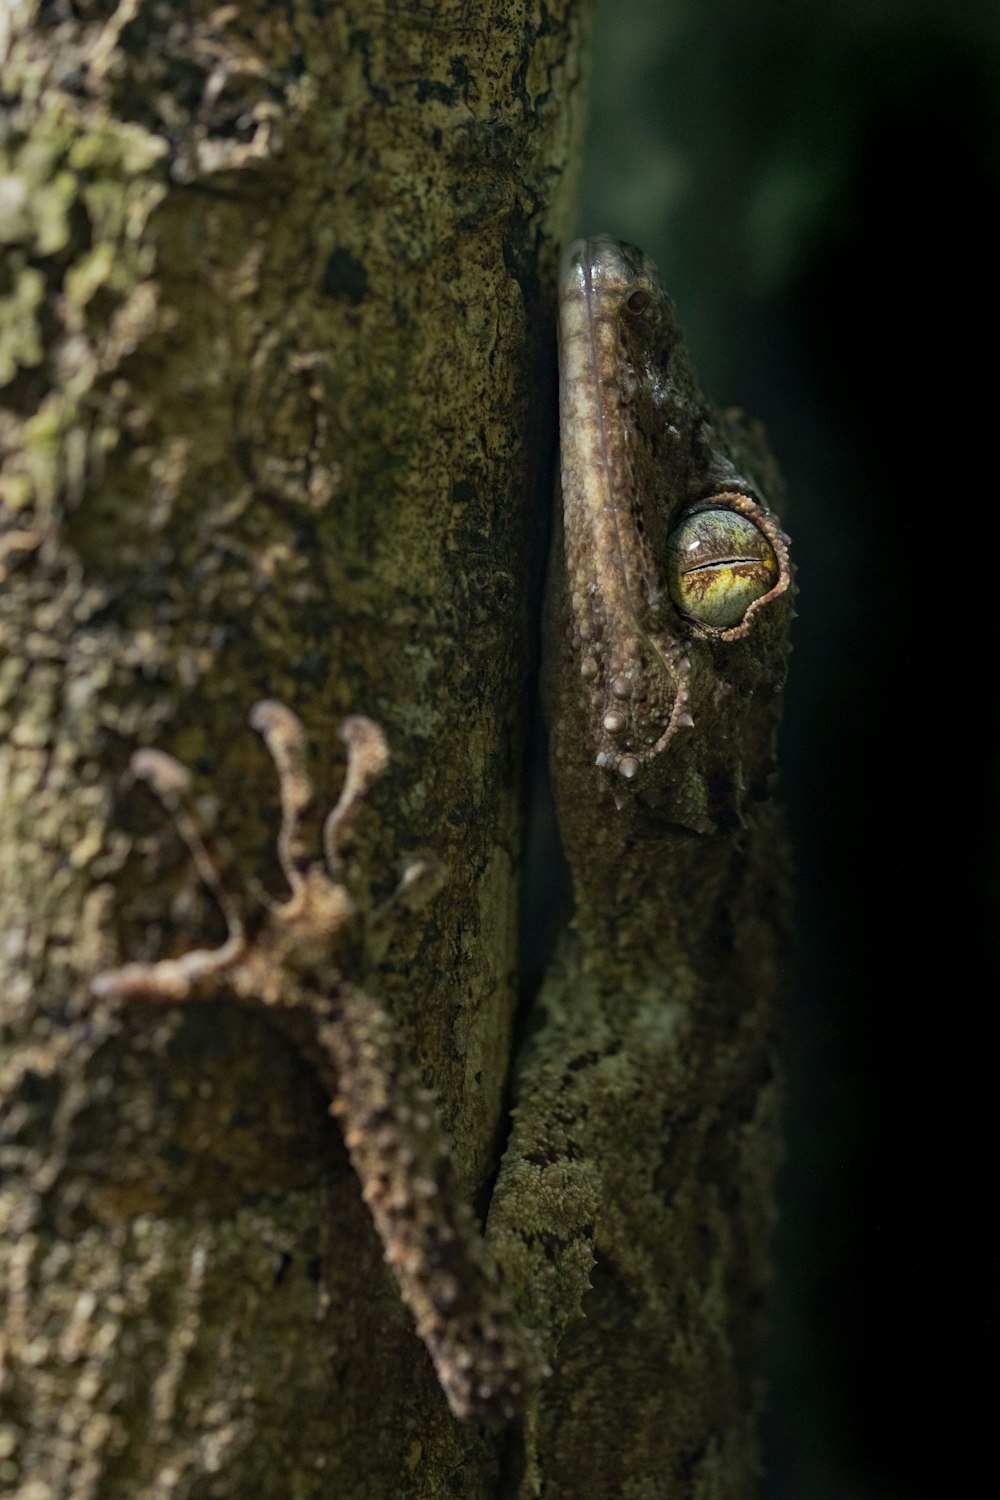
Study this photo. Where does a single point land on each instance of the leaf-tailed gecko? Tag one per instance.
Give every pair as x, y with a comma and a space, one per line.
613, 1303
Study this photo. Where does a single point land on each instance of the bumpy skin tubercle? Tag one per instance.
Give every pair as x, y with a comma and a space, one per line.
634, 1203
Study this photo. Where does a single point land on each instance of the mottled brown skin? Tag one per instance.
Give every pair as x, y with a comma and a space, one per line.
626, 1248
634, 1204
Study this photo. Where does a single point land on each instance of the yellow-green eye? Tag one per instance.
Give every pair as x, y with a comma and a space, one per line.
718, 563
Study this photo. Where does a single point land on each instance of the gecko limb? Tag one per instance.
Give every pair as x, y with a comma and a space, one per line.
296, 967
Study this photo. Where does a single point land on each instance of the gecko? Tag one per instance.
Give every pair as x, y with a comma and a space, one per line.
634, 1202
609, 1317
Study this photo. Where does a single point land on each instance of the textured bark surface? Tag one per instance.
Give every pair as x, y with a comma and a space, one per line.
275, 334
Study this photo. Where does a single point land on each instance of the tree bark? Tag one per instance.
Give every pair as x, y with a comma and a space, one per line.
277, 379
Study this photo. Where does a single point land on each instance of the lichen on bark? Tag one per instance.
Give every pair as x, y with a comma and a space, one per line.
275, 322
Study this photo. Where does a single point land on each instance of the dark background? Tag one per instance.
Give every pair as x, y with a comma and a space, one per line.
819, 186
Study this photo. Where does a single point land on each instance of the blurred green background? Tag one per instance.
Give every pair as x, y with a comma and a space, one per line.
819, 185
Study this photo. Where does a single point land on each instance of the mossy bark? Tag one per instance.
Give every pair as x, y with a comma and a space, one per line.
276, 374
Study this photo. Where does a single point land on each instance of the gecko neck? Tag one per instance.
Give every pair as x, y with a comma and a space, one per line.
682, 913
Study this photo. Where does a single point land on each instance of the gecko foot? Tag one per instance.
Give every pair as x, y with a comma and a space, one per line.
318, 907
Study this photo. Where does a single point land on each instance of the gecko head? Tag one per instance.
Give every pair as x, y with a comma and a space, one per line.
676, 571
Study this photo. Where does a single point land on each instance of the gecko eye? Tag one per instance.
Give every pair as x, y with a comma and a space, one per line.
718, 562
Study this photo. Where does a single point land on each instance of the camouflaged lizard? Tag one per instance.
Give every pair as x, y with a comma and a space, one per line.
611, 1316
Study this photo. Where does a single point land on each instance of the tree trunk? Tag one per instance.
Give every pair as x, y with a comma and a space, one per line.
277, 379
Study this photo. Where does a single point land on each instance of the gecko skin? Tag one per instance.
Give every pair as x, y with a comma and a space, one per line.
614, 1305
634, 1203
